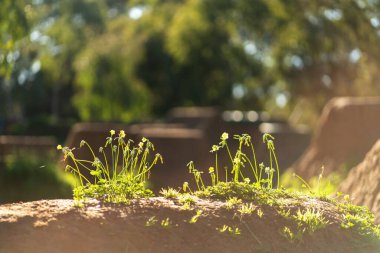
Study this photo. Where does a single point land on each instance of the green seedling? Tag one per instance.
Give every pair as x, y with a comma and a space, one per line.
246, 209
247, 185
239, 160
166, 223
122, 178
186, 200
310, 220
230, 230
288, 234
170, 193
359, 218
260, 213
284, 213
195, 218
232, 202
151, 221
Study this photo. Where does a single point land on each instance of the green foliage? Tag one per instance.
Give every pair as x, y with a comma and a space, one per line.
247, 209
124, 177
41, 76
230, 230
318, 186
288, 234
27, 177
119, 180
245, 194
13, 27
195, 218
169, 193
166, 223
232, 202
107, 88
284, 212
151, 221
97, 62
186, 200
310, 220
359, 218
260, 213
239, 161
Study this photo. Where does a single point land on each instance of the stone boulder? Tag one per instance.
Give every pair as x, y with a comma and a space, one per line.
362, 183
348, 128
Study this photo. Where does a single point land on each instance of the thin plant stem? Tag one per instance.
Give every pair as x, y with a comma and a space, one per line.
277, 168
117, 158
254, 156
143, 159
113, 161
229, 152
251, 165
89, 147
216, 167
271, 153
303, 181
107, 171
201, 180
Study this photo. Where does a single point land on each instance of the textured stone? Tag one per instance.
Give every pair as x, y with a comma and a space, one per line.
348, 128
362, 183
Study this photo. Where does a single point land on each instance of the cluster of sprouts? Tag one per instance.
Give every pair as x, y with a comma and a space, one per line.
261, 175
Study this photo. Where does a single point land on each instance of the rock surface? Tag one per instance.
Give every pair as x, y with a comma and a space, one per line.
348, 129
57, 226
363, 182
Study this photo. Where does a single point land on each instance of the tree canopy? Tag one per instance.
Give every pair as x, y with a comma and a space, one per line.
127, 60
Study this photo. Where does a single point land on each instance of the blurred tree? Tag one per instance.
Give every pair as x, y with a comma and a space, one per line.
192, 60
317, 53
177, 60
13, 27
122, 60
268, 53
43, 75
73, 24
107, 88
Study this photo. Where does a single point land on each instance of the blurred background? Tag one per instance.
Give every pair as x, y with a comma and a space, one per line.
173, 70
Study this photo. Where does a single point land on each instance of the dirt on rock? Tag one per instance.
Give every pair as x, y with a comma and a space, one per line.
348, 128
140, 226
362, 183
